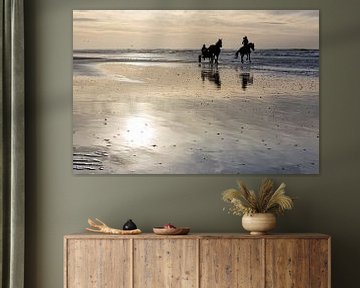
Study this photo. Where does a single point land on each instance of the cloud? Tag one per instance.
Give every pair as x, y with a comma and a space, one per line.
84, 20
274, 23
308, 13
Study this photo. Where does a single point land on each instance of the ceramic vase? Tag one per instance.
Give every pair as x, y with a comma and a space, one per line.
259, 223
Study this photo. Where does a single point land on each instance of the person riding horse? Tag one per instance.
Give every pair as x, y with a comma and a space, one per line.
245, 49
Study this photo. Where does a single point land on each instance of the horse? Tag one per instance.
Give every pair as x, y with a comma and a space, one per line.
245, 50
212, 52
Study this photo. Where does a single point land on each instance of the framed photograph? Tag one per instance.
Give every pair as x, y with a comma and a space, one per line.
195, 92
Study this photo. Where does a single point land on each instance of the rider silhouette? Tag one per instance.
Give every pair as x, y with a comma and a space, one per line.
245, 41
204, 49
245, 49
204, 52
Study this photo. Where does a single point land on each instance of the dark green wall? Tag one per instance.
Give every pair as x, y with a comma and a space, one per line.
59, 203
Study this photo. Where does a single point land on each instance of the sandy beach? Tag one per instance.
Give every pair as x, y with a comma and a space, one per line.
188, 118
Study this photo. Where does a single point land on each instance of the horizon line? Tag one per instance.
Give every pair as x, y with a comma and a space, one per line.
105, 49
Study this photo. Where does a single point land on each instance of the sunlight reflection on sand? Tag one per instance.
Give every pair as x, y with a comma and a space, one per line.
185, 118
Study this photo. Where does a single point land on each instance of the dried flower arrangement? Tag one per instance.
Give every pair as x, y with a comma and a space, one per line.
246, 202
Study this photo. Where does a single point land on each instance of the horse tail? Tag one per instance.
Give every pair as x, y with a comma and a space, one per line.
237, 54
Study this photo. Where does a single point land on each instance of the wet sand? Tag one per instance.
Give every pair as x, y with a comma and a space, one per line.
188, 119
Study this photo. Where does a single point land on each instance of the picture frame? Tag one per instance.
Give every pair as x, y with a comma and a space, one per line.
155, 95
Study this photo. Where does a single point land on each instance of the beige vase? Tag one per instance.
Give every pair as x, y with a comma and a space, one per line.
259, 223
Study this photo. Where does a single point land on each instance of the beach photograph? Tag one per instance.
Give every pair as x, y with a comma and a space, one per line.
196, 92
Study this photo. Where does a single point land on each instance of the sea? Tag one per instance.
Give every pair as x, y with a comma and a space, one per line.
290, 61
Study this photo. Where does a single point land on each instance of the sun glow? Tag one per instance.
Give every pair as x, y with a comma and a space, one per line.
139, 131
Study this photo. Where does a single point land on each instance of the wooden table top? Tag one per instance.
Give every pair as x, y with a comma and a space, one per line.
89, 235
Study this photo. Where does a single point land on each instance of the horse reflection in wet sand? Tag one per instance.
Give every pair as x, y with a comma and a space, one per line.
245, 50
212, 52
211, 74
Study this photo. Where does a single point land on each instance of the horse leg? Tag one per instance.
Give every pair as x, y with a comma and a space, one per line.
237, 54
249, 58
242, 58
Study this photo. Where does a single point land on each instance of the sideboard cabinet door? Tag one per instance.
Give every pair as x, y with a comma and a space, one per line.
167, 263
231, 263
98, 263
320, 263
297, 263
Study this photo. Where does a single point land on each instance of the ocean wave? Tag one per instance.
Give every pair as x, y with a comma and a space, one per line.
294, 61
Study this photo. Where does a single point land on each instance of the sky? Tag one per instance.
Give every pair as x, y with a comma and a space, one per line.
189, 29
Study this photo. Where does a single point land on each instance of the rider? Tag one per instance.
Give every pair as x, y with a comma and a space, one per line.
203, 49
245, 41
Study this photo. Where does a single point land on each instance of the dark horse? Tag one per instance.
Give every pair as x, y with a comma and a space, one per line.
245, 50
212, 52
